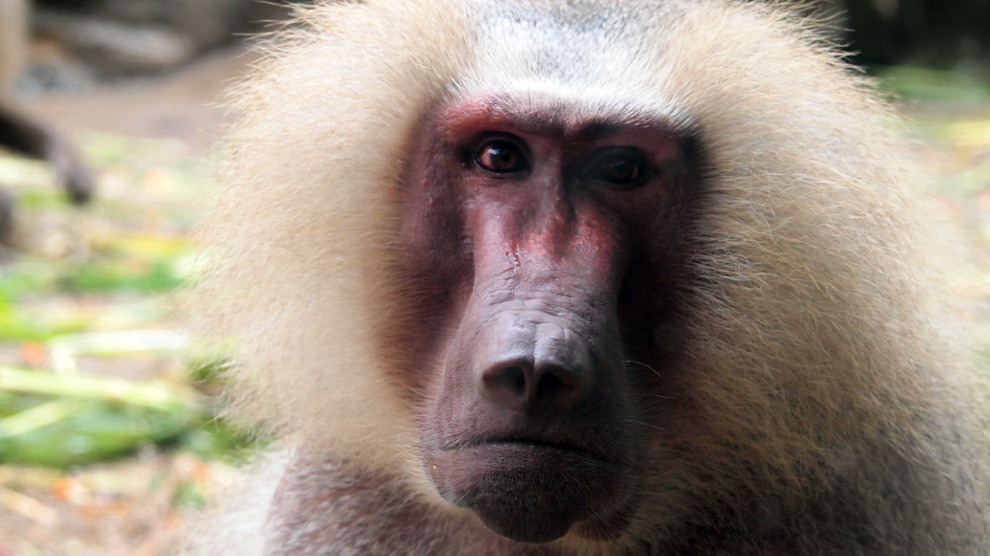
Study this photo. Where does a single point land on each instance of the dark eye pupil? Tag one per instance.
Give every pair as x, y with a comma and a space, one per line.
622, 171
618, 170
500, 157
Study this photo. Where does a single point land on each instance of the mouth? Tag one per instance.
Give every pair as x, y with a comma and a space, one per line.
534, 445
528, 489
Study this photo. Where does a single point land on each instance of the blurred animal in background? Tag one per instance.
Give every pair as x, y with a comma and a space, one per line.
585, 277
22, 134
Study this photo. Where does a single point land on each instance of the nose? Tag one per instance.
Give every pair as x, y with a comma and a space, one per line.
545, 367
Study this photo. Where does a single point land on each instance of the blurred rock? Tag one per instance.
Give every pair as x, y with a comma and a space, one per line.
116, 38
111, 48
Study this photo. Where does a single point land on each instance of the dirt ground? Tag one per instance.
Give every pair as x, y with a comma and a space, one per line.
126, 506
185, 106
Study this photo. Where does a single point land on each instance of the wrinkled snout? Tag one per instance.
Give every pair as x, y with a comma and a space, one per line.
530, 361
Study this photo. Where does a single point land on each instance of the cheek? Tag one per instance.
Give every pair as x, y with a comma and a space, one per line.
434, 267
660, 278
431, 254
660, 221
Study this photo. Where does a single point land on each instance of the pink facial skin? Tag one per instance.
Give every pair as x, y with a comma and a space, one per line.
534, 241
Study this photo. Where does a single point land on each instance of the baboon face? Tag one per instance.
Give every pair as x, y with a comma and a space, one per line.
541, 239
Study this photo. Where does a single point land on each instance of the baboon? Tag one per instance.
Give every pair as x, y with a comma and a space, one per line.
585, 277
24, 135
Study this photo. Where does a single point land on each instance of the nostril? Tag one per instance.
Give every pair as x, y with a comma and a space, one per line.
507, 379
556, 384
553, 380
517, 381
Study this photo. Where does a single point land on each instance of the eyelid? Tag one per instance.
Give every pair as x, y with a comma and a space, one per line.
606, 152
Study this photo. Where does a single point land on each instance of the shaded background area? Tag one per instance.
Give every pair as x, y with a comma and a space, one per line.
937, 32
107, 440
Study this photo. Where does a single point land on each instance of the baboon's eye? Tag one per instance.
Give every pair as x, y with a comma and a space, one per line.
501, 156
622, 168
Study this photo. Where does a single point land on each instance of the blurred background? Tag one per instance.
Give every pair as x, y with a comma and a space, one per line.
108, 443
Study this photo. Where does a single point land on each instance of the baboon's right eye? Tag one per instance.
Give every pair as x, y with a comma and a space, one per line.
501, 156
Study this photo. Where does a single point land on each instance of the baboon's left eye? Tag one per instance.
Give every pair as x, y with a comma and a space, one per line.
621, 168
